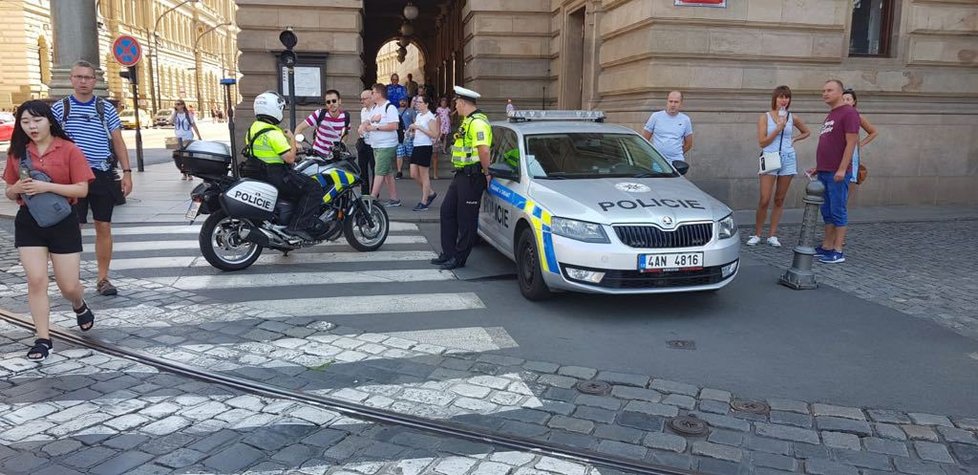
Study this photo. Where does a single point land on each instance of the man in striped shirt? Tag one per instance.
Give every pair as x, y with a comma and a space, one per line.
94, 125
329, 123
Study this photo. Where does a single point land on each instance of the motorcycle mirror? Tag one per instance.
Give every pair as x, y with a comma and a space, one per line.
300, 138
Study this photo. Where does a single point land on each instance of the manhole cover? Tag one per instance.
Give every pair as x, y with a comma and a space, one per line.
688, 425
681, 344
593, 387
753, 407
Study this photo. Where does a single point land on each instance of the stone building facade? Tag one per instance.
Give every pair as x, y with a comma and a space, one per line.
197, 47
914, 64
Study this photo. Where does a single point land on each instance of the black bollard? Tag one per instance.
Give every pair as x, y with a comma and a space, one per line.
800, 276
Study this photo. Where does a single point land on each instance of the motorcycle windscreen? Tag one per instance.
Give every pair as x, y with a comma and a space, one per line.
250, 199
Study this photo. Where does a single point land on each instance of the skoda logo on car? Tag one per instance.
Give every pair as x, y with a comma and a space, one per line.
585, 206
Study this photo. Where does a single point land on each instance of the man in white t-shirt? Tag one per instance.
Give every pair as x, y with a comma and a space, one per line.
670, 131
382, 128
365, 154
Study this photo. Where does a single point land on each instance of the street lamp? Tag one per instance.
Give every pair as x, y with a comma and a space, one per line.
155, 83
197, 64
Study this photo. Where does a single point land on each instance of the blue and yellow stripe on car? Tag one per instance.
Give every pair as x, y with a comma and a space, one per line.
341, 180
539, 219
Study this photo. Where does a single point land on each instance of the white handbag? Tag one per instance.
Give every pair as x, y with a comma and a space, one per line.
771, 161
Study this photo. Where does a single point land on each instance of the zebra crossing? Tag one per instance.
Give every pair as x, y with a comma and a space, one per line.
327, 280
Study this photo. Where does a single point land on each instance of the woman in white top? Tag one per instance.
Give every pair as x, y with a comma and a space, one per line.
426, 131
776, 133
184, 127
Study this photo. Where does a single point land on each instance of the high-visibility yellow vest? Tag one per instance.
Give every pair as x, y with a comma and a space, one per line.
267, 146
472, 132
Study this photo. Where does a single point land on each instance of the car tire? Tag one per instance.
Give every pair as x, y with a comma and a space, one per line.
528, 270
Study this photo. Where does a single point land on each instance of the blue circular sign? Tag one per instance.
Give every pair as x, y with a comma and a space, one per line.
127, 50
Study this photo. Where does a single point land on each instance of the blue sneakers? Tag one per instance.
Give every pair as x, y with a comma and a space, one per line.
821, 251
832, 257
420, 207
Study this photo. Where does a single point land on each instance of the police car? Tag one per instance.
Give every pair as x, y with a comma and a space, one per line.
585, 206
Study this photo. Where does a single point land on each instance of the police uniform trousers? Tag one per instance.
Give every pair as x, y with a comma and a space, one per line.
460, 212
296, 186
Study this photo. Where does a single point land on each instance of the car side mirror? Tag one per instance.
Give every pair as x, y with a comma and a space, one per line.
680, 166
503, 171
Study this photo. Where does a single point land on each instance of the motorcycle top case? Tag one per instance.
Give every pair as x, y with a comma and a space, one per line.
203, 157
250, 199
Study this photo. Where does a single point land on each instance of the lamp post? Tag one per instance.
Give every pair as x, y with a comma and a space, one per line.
197, 64
154, 81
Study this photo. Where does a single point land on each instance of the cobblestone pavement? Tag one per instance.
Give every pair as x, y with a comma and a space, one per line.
86, 412
514, 396
928, 270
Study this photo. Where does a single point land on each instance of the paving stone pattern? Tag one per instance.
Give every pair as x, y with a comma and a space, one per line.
499, 393
926, 270
72, 414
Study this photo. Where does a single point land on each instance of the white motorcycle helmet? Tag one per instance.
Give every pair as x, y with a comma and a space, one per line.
270, 104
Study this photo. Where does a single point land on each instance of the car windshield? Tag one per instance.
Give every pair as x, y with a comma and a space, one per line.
594, 155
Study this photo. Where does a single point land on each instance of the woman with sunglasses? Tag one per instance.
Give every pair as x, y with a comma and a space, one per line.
184, 127
39, 138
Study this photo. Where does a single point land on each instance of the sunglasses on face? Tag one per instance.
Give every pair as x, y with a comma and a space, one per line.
332, 101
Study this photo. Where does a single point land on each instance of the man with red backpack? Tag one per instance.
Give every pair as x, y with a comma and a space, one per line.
330, 124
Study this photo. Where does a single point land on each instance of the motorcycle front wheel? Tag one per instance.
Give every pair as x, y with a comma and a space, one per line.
222, 246
363, 234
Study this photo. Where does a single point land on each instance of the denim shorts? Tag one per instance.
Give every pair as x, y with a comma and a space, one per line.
789, 164
836, 198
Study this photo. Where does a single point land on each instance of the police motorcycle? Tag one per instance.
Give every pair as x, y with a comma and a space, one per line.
246, 216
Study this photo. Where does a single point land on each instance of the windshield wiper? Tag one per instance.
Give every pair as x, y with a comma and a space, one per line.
549, 177
655, 175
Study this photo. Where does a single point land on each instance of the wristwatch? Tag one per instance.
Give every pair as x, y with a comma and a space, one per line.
127, 170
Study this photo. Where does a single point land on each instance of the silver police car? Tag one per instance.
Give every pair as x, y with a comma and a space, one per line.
591, 207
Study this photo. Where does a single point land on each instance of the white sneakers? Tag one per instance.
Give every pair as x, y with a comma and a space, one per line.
755, 240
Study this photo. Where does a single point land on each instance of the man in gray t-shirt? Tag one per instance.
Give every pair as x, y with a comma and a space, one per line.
670, 131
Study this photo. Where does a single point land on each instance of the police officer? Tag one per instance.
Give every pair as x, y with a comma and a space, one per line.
271, 152
470, 157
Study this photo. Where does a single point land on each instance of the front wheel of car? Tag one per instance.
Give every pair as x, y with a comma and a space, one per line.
529, 273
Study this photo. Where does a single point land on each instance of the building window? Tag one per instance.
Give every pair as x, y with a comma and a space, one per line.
872, 28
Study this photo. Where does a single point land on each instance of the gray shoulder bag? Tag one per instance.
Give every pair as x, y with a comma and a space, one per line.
47, 208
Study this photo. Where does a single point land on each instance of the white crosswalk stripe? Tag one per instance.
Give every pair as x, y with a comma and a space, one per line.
169, 255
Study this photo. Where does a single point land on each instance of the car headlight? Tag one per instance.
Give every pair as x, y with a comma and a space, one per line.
579, 230
727, 227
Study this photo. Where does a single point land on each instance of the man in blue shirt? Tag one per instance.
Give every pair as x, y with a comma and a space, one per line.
395, 91
94, 125
670, 131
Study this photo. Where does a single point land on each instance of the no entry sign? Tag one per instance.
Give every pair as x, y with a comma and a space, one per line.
127, 50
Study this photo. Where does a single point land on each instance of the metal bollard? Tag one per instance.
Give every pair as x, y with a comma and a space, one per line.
800, 276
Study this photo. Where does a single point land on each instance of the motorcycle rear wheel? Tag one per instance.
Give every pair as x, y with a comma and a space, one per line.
222, 246
359, 234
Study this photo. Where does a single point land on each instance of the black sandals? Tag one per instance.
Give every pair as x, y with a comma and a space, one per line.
85, 317
41, 349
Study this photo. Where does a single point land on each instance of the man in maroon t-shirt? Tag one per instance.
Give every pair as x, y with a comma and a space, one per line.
329, 124
836, 142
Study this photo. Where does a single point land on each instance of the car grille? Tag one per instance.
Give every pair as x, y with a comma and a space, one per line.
686, 235
633, 279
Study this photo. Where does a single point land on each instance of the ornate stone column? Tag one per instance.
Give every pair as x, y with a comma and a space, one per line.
75, 37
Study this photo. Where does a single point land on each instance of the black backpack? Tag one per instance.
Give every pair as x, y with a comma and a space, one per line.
400, 125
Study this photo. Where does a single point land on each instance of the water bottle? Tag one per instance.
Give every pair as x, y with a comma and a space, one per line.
782, 112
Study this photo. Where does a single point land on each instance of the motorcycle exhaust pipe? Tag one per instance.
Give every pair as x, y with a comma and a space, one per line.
252, 234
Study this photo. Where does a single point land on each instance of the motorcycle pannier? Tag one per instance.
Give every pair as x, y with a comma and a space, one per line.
250, 199
203, 158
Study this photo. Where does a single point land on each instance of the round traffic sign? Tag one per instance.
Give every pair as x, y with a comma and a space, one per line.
127, 50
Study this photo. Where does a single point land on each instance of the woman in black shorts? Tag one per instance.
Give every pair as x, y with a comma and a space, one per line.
40, 137
426, 132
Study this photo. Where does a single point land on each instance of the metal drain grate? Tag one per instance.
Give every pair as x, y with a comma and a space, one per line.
753, 407
593, 387
689, 426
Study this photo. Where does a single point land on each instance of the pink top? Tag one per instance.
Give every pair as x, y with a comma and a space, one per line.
445, 118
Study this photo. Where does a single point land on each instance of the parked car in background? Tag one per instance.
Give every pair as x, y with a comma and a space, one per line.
162, 118
128, 118
6, 126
